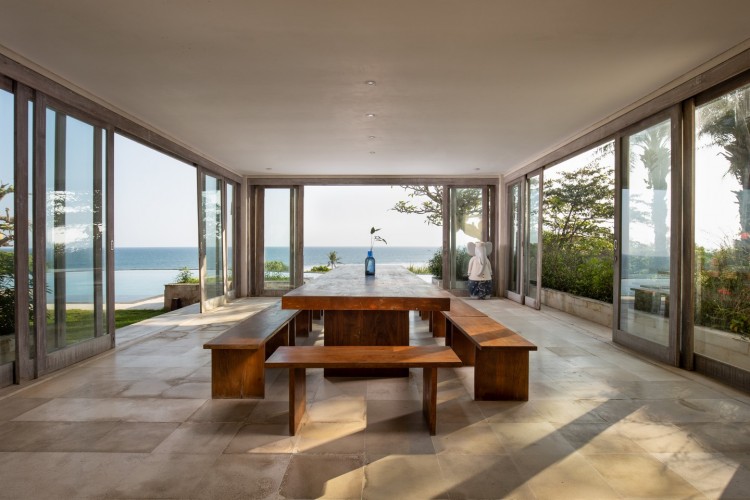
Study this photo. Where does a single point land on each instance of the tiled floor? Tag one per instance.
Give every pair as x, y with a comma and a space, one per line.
138, 422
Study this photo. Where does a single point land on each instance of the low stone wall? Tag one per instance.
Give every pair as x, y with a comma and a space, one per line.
723, 346
590, 309
188, 293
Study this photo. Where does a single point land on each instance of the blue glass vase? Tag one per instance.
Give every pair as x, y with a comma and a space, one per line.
369, 264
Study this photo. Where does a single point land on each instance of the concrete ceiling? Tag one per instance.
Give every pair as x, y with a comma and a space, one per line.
469, 87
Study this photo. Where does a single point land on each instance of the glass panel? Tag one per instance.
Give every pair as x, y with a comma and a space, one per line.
514, 239
230, 236
578, 236
7, 231
646, 191
277, 242
213, 237
722, 228
531, 253
32, 324
75, 223
466, 226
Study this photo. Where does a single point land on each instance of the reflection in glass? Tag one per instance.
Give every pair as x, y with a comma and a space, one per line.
466, 226
7, 231
230, 236
213, 237
722, 227
578, 235
514, 239
74, 231
646, 191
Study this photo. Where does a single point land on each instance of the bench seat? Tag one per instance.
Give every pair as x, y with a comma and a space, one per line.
298, 359
499, 355
238, 355
458, 308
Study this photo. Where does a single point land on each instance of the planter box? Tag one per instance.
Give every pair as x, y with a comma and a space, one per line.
590, 309
186, 293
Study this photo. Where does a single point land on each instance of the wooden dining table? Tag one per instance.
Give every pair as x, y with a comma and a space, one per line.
366, 310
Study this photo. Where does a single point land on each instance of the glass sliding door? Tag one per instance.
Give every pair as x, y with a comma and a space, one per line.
532, 251
513, 288
231, 221
212, 242
75, 228
645, 233
279, 237
721, 246
467, 224
8, 330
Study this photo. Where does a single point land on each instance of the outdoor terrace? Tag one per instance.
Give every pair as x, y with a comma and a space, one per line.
601, 422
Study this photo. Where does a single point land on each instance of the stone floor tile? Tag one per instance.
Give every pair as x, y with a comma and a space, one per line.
589, 438
131, 410
475, 439
400, 435
571, 476
12, 407
531, 438
164, 475
490, 477
402, 410
510, 411
342, 409
323, 476
716, 475
343, 438
405, 476
641, 475
243, 476
262, 438
224, 410
731, 437
199, 437
663, 438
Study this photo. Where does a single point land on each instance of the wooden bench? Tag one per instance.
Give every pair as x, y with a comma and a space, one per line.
458, 308
297, 359
238, 355
500, 356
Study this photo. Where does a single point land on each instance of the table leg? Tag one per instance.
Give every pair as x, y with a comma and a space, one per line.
238, 373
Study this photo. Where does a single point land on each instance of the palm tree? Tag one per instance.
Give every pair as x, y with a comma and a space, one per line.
654, 144
333, 259
727, 122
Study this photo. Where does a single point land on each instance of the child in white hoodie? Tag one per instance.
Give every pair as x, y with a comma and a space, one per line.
480, 271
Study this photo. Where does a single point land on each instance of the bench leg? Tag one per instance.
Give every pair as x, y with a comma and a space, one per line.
429, 398
238, 373
501, 375
297, 398
463, 347
438, 324
423, 315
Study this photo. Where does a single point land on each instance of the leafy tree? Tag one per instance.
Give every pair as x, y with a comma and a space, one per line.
333, 259
578, 254
6, 220
468, 205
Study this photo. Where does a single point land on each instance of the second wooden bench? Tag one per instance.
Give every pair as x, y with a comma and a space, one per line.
238, 355
297, 359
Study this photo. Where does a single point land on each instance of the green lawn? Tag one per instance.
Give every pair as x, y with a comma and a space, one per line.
79, 323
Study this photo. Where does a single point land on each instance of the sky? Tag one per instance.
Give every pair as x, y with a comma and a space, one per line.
155, 206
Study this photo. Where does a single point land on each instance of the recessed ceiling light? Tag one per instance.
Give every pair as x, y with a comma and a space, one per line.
370, 82
372, 152
371, 137
370, 115
269, 168
477, 168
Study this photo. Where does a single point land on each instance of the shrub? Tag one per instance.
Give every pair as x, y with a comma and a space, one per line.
319, 269
186, 276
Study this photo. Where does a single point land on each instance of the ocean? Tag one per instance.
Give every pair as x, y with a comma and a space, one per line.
141, 273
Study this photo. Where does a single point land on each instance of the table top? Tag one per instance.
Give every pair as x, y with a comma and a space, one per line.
346, 288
